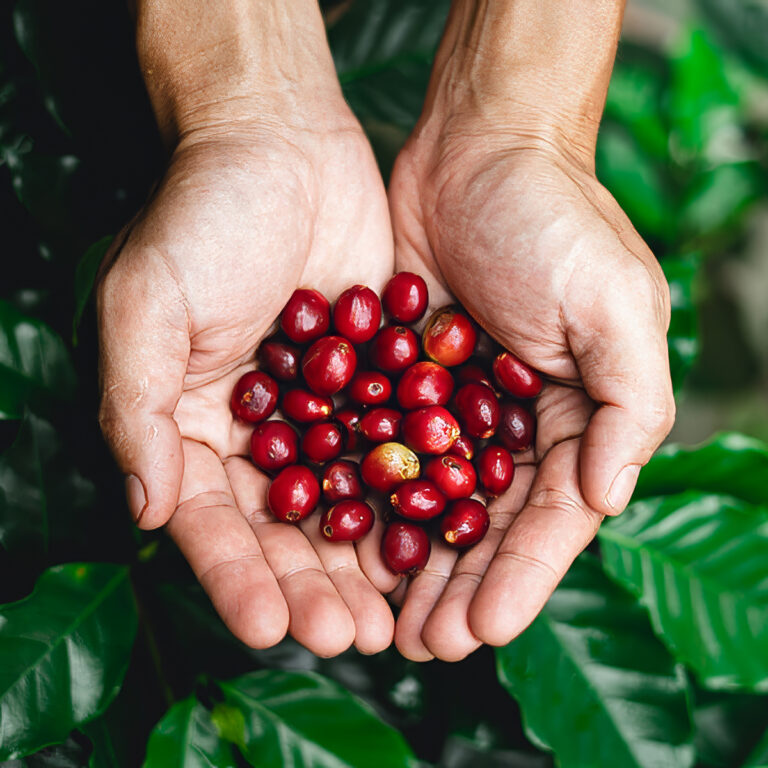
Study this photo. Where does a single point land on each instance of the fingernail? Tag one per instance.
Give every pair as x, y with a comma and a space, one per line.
622, 487
137, 497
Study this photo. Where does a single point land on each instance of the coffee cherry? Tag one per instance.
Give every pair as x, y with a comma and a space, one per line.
394, 348
516, 427
329, 365
347, 521
280, 360
341, 481
274, 445
465, 523
306, 316
454, 476
463, 447
424, 384
405, 297
322, 442
449, 337
430, 430
473, 374
304, 407
293, 494
254, 397
495, 469
389, 464
357, 314
478, 410
418, 500
370, 388
381, 425
405, 548
515, 376
350, 419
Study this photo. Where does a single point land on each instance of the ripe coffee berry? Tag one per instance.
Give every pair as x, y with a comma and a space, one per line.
389, 464
350, 419
430, 430
405, 297
449, 337
463, 447
306, 316
424, 384
465, 523
274, 445
516, 427
454, 476
280, 360
381, 425
304, 407
495, 469
329, 365
418, 500
254, 397
347, 521
473, 374
357, 314
322, 442
478, 410
341, 481
293, 494
394, 348
370, 388
405, 548
515, 376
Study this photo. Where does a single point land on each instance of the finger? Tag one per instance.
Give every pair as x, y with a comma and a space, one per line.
319, 618
224, 554
555, 525
369, 556
144, 348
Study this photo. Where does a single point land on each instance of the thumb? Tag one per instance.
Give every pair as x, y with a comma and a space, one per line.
144, 349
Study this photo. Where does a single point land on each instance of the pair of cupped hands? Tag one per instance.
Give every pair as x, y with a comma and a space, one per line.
516, 229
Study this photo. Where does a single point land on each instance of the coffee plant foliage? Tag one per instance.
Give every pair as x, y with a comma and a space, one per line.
652, 651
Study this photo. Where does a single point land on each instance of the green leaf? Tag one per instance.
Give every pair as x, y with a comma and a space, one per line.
744, 25
85, 274
593, 683
682, 337
34, 363
758, 758
697, 562
63, 653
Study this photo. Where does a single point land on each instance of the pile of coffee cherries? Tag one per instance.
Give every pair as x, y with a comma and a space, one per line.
424, 425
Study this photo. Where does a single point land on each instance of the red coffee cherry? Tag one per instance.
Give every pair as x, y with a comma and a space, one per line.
280, 360
381, 425
254, 397
515, 376
495, 469
405, 548
463, 447
424, 384
350, 419
388, 465
418, 500
478, 410
347, 521
473, 374
274, 445
454, 476
304, 407
293, 494
341, 481
465, 523
449, 337
370, 388
329, 365
430, 430
306, 316
357, 314
394, 348
405, 297
516, 427
322, 442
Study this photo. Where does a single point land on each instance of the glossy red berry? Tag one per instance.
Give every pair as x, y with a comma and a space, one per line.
341, 481
405, 548
495, 469
418, 500
350, 419
430, 430
516, 427
465, 523
304, 407
370, 388
274, 445
473, 374
306, 316
357, 314
424, 384
449, 337
347, 521
388, 465
380, 425
329, 364
455, 477
394, 348
463, 447
405, 297
254, 397
322, 442
280, 360
515, 376
478, 410
293, 494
